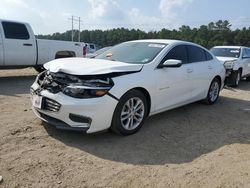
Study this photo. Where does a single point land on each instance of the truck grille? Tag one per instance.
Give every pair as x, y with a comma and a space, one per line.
50, 105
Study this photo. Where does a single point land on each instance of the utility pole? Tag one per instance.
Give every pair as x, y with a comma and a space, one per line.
79, 34
72, 32
73, 19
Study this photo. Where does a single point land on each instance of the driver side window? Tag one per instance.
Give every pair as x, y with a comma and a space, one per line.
177, 53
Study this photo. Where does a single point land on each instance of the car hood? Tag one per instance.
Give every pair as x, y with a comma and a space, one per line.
84, 66
224, 59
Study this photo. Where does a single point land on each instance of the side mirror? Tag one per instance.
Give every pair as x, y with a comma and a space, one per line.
172, 63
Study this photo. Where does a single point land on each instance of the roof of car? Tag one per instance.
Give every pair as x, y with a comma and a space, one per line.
163, 41
230, 47
166, 41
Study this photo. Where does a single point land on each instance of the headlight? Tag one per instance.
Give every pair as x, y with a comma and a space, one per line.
229, 64
81, 92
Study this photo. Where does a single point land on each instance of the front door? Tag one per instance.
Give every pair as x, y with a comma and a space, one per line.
174, 85
19, 45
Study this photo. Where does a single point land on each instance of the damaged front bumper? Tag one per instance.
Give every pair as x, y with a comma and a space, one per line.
64, 112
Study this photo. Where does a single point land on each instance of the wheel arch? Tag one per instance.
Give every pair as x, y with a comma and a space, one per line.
240, 69
64, 54
219, 78
146, 94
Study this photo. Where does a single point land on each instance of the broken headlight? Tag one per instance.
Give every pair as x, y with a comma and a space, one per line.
82, 91
229, 64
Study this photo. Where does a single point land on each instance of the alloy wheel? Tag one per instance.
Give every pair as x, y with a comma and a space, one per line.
132, 113
214, 91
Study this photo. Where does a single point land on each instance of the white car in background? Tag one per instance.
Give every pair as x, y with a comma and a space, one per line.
236, 60
120, 88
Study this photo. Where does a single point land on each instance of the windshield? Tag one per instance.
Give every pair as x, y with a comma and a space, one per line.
226, 52
133, 52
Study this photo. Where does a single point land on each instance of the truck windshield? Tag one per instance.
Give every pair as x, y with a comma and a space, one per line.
226, 52
133, 52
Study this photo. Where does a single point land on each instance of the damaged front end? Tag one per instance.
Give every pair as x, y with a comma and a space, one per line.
74, 85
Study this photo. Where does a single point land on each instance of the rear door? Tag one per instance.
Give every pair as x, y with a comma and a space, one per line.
1, 47
202, 71
19, 44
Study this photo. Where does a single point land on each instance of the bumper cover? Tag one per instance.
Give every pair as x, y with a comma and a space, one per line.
99, 112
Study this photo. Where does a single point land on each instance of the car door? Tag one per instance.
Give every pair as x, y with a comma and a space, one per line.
19, 45
174, 85
1, 47
246, 62
202, 71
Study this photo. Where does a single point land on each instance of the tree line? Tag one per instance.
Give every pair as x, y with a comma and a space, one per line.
213, 34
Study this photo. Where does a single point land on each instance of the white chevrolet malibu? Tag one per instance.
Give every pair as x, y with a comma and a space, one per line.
124, 85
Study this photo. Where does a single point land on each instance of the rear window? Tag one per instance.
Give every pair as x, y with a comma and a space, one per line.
196, 54
15, 31
209, 56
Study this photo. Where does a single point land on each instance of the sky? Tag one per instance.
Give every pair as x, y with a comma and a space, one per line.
50, 16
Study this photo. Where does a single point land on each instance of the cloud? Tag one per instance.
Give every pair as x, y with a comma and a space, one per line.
169, 8
167, 19
105, 9
139, 20
240, 22
20, 3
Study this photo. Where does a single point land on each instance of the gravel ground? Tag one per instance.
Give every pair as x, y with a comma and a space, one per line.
192, 146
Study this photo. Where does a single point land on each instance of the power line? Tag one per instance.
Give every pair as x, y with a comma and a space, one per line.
75, 19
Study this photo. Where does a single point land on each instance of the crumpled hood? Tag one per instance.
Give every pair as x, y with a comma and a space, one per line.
224, 59
84, 66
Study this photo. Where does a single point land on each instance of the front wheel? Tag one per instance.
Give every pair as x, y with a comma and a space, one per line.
236, 78
130, 113
213, 92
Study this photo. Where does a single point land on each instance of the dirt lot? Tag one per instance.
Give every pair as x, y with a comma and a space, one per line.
193, 146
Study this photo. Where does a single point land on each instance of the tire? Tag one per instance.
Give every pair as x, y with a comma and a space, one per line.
213, 92
236, 77
127, 121
248, 78
39, 69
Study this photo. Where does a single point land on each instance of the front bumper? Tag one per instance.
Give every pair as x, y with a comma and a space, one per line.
86, 115
229, 80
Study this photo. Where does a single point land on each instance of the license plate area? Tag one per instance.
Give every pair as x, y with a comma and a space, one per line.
37, 101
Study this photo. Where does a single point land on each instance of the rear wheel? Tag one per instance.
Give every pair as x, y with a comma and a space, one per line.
214, 91
130, 113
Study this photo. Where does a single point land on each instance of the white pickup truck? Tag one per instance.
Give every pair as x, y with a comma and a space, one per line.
236, 60
19, 47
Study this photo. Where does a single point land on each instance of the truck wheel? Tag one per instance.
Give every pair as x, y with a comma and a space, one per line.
39, 69
236, 77
130, 113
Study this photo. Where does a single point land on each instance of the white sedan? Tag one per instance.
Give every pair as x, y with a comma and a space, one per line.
124, 85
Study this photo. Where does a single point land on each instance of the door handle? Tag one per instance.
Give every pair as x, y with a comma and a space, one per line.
26, 44
190, 70
210, 67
